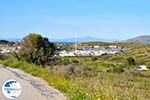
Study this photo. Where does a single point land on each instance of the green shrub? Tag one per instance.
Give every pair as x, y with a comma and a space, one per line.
131, 61
116, 69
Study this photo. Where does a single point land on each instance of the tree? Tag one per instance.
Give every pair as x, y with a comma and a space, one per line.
36, 49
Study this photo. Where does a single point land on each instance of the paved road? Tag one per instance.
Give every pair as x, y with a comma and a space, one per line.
33, 88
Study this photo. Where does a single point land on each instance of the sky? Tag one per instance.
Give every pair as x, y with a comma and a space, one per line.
59, 19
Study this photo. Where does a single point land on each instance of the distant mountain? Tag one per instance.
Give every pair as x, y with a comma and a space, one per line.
10, 39
82, 39
145, 39
69, 40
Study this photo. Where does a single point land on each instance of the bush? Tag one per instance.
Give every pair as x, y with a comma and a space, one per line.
2, 57
116, 69
75, 61
131, 61
94, 58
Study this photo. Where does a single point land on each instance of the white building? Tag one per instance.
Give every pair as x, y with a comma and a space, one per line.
142, 67
96, 46
112, 46
6, 49
90, 52
66, 53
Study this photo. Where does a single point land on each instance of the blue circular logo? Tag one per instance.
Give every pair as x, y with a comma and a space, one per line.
11, 89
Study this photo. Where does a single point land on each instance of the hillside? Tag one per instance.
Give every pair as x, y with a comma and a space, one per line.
145, 39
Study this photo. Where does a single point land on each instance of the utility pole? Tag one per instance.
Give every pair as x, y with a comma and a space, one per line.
75, 48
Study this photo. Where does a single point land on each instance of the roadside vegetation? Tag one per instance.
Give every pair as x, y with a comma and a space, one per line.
107, 77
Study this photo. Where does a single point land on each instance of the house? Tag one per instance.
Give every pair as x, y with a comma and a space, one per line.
96, 46
112, 46
66, 53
